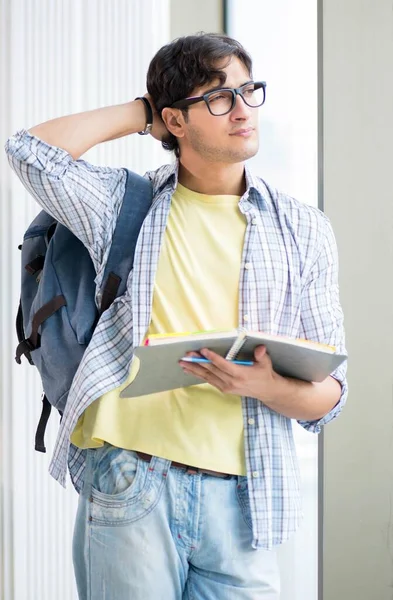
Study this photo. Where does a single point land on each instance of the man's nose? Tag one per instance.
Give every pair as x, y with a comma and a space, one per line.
240, 110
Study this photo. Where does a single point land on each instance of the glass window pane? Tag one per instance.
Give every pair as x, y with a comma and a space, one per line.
282, 39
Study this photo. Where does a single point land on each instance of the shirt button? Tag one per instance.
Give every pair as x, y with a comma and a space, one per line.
254, 221
255, 474
248, 266
251, 421
246, 318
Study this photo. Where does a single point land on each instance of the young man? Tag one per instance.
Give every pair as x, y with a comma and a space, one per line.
185, 494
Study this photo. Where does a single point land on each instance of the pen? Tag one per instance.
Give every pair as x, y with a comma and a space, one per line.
195, 359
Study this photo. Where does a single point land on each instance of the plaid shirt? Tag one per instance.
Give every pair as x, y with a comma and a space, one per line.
288, 286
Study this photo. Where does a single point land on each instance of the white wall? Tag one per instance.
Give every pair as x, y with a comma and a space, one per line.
190, 16
56, 58
358, 190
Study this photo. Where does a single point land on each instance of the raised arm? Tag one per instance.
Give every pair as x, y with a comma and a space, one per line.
76, 134
83, 197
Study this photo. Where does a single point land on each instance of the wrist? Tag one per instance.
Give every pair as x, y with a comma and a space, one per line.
148, 115
274, 389
137, 116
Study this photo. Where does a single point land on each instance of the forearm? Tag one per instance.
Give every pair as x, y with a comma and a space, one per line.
302, 400
78, 133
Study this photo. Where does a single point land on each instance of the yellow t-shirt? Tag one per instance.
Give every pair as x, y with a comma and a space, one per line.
196, 288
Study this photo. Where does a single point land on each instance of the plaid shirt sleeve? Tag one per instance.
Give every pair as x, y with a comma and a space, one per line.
321, 314
83, 197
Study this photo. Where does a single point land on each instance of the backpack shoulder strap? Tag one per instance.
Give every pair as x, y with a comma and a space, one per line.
137, 200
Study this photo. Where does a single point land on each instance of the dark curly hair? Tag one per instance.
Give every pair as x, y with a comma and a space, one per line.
186, 63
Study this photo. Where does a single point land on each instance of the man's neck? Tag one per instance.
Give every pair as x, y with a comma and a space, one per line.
213, 180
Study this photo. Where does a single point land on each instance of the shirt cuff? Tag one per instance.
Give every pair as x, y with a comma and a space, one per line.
316, 426
26, 148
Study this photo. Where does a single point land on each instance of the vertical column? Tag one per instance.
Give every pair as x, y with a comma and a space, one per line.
56, 58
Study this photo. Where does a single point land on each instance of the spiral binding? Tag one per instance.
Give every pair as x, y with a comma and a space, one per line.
237, 344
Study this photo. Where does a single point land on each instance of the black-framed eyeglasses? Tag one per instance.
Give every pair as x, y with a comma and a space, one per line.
222, 101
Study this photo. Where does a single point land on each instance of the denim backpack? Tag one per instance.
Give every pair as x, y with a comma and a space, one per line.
57, 310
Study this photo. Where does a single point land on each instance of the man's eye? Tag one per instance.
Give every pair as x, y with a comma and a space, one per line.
249, 91
217, 97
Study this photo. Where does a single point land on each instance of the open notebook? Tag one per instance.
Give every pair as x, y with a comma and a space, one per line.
159, 368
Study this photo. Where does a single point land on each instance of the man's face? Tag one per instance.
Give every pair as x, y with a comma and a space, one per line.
229, 138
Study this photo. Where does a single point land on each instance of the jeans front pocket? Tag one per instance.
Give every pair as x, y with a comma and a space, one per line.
124, 488
244, 500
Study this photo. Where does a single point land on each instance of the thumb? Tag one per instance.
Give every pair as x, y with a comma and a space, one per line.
259, 353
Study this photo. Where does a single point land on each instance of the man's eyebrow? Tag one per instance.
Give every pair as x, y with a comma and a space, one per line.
224, 87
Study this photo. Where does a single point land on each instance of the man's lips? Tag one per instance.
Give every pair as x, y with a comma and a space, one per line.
247, 131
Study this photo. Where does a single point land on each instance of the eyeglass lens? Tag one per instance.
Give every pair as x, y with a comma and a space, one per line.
220, 102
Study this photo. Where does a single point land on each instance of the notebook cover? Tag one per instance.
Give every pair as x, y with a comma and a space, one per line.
159, 368
160, 371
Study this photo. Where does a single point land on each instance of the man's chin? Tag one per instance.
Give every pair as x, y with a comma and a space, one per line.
245, 153
252, 151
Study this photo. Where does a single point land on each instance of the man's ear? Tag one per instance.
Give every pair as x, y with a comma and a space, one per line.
174, 121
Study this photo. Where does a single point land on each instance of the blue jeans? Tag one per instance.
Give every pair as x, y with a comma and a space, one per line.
151, 532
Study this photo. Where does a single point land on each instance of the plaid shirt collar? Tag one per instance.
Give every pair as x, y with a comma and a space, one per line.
256, 190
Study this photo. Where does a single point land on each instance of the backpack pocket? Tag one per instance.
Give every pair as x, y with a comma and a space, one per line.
57, 313
58, 349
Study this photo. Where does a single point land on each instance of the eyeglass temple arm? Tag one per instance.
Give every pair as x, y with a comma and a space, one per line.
186, 102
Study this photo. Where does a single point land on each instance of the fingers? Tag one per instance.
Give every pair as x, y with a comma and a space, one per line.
220, 363
208, 373
219, 372
259, 353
